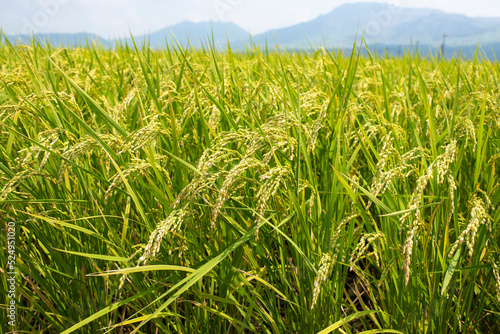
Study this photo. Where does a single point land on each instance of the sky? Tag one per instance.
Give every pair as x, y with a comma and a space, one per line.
113, 18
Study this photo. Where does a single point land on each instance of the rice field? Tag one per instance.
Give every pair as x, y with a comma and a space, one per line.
208, 191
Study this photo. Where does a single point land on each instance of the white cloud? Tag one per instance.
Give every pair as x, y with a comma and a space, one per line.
301, 14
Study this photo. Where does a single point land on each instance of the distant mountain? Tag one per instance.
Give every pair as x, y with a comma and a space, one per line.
69, 40
387, 27
197, 34
383, 24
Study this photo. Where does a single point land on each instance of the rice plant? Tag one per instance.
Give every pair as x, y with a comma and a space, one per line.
214, 191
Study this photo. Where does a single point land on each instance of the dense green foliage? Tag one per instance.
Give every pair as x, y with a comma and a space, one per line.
214, 192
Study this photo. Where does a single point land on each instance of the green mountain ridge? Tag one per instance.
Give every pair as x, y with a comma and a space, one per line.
384, 24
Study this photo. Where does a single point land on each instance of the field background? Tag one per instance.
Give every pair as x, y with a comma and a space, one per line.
199, 191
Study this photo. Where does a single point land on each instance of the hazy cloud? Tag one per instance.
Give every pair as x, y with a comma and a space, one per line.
118, 17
